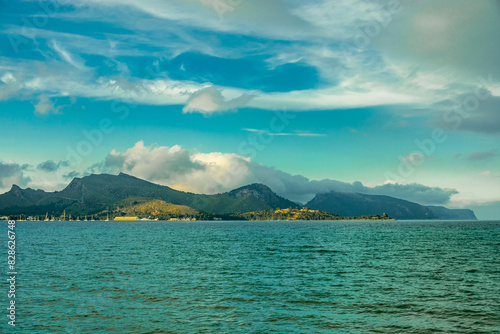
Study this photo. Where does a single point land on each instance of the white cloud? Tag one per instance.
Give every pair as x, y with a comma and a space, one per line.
179, 168
60, 79
210, 100
365, 82
336, 98
391, 69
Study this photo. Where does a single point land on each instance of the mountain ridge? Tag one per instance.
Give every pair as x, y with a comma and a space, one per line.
357, 204
452, 214
98, 192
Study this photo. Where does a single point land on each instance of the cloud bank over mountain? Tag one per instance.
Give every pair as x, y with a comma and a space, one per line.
217, 172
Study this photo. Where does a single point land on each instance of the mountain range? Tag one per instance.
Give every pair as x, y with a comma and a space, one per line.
94, 193
98, 192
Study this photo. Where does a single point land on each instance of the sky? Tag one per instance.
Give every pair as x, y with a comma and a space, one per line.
395, 97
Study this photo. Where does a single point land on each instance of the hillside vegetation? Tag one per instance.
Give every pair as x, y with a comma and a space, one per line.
107, 196
304, 214
152, 209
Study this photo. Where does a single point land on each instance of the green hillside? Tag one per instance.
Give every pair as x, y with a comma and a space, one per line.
303, 214
94, 194
151, 208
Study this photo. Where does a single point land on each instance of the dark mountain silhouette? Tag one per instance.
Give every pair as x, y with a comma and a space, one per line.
355, 204
452, 214
94, 193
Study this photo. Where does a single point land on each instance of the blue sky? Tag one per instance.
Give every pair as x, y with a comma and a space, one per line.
208, 95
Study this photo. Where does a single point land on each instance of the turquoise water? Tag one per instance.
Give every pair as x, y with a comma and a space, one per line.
256, 277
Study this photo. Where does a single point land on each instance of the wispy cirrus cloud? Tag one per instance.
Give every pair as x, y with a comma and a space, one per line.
368, 77
66, 56
295, 133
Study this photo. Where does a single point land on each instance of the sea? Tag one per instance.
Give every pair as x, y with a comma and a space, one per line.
254, 277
